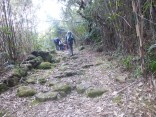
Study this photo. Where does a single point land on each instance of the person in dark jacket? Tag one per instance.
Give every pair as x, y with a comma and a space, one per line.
70, 39
56, 42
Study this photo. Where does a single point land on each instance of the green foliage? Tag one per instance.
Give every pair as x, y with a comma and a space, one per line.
153, 65
151, 58
137, 71
127, 62
95, 35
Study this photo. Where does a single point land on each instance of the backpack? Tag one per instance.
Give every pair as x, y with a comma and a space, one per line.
70, 38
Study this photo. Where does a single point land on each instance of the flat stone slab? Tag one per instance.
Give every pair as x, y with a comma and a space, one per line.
42, 97
25, 91
70, 73
81, 88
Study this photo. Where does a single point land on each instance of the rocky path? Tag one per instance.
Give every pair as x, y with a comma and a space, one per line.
94, 87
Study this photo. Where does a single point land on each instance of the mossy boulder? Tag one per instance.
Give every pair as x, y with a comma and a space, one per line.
92, 93
3, 87
45, 65
35, 62
25, 91
45, 55
27, 66
62, 87
31, 80
42, 97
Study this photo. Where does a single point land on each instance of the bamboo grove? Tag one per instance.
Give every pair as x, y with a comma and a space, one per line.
16, 29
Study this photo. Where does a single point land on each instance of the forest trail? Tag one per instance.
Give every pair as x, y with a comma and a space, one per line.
84, 72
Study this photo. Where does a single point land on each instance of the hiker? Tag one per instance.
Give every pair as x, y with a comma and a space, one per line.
56, 42
61, 45
69, 40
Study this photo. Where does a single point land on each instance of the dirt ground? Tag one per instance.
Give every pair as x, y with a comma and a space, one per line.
125, 97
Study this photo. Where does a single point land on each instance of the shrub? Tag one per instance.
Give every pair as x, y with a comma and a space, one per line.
127, 62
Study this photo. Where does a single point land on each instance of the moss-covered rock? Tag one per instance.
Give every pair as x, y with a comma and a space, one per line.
70, 73
95, 92
62, 87
31, 80
45, 65
35, 62
27, 66
3, 87
25, 91
42, 97
45, 55
42, 80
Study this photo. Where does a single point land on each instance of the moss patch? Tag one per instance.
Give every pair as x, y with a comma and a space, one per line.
45, 65
62, 87
117, 99
25, 91
31, 80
